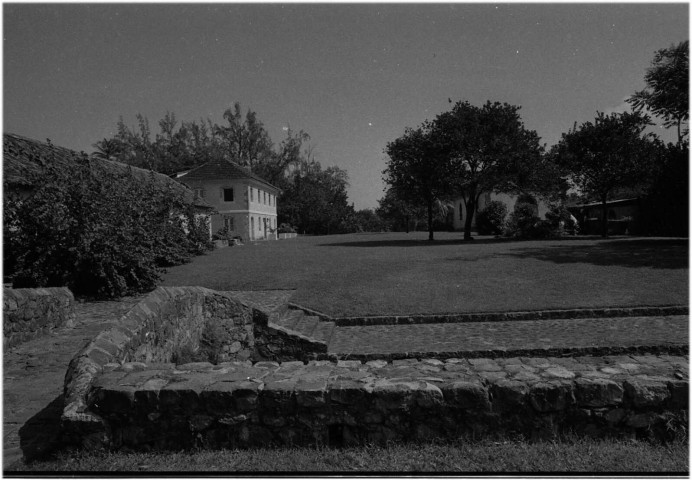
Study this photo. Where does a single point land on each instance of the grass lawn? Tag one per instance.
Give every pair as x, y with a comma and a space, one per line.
399, 273
571, 455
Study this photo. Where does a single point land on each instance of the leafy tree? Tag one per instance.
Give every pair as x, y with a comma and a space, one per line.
247, 141
667, 87
489, 149
315, 200
418, 169
609, 153
398, 213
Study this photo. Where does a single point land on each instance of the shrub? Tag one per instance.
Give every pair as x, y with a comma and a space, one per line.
522, 221
491, 220
286, 228
100, 231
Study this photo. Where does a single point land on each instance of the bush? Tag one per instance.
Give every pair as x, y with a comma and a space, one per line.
100, 231
522, 221
286, 228
491, 220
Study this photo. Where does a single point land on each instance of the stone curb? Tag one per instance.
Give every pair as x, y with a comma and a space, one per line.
508, 353
565, 314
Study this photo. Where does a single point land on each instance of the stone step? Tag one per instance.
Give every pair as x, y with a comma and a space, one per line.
290, 318
306, 325
323, 332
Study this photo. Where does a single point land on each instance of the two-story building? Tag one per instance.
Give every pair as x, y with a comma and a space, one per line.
245, 203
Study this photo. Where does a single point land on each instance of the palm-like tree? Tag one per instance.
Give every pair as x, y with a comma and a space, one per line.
106, 149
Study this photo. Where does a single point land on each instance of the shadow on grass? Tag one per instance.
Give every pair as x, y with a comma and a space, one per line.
654, 253
414, 243
39, 436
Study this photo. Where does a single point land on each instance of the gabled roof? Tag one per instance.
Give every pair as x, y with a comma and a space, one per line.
222, 169
22, 161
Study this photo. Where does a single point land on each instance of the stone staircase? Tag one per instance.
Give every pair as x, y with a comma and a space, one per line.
297, 323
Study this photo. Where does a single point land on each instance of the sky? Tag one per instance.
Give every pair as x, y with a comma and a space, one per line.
353, 76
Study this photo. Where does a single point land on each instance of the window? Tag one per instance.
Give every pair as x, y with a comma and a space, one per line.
265, 197
227, 194
199, 192
228, 222
252, 195
259, 224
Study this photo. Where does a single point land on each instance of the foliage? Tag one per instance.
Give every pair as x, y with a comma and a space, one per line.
99, 231
315, 201
609, 153
560, 221
523, 221
418, 169
286, 228
399, 215
491, 220
665, 210
489, 149
667, 87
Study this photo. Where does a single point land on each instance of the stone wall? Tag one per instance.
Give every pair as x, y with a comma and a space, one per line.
172, 324
238, 404
31, 312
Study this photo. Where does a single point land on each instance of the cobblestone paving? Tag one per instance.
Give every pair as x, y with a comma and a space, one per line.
33, 375
507, 336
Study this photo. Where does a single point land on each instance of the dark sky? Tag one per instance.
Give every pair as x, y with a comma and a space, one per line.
352, 76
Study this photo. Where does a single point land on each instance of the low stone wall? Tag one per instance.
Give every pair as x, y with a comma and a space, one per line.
172, 324
238, 404
31, 312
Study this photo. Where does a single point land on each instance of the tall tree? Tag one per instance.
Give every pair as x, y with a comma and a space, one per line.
489, 149
667, 87
609, 153
247, 140
418, 169
400, 213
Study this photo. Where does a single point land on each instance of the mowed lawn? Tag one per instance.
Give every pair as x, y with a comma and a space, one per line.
399, 273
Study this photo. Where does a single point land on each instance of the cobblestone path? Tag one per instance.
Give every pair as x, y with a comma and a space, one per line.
514, 335
33, 376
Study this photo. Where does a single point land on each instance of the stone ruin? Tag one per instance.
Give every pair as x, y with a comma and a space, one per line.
190, 367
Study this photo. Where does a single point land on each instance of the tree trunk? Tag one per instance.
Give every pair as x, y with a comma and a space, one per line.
407, 220
470, 211
430, 220
604, 220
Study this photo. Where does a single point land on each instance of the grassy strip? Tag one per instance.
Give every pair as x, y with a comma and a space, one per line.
567, 455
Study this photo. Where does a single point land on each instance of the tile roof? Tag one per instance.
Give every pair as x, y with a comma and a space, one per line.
22, 157
222, 169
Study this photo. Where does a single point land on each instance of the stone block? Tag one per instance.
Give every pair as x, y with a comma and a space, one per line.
646, 393
113, 399
597, 392
551, 396
466, 395
679, 394
509, 395
393, 396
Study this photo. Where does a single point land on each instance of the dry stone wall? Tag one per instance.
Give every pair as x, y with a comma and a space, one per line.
31, 312
172, 324
240, 404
